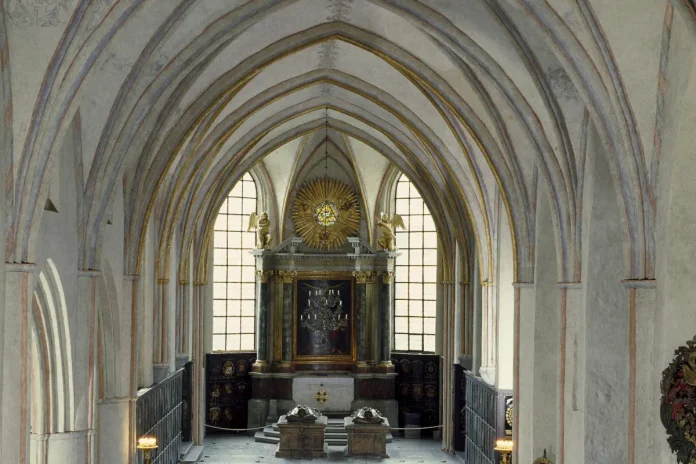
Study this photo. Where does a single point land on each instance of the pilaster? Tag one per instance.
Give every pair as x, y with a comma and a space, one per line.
386, 310
129, 340
641, 307
571, 429
489, 331
19, 286
362, 280
523, 390
287, 280
85, 370
262, 320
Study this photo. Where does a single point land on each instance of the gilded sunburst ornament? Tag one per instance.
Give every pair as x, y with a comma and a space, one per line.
325, 213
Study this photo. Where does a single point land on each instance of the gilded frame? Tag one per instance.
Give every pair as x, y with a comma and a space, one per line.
324, 359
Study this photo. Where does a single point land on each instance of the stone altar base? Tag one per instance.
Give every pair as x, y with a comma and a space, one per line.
302, 440
366, 439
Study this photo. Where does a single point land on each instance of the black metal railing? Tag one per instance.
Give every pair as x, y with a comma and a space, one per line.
159, 414
481, 421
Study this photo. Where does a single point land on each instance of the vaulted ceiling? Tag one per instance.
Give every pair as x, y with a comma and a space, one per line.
474, 100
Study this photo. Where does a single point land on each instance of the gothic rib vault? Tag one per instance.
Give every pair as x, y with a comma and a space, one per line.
520, 122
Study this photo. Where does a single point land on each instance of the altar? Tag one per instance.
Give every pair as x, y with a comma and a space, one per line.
323, 330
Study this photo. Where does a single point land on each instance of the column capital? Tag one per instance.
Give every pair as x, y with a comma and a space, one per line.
184, 282
285, 277
387, 277
163, 280
569, 284
199, 283
263, 276
364, 277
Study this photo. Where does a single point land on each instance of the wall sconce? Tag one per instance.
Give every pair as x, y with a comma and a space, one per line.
504, 447
147, 444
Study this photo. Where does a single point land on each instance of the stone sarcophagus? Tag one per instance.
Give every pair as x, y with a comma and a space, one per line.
302, 434
367, 433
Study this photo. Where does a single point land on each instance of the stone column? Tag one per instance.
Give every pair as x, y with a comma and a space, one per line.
129, 358
183, 351
523, 390
386, 302
85, 346
641, 424
489, 331
362, 279
262, 318
287, 280
19, 287
571, 431
160, 358
197, 408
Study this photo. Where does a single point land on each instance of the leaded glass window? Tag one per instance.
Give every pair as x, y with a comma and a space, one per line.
415, 288
234, 280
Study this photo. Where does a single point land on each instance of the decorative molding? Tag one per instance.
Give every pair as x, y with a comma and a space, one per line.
89, 273
20, 267
285, 277
364, 277
184, 282
163, 281
387, 277
639, 283
569, 284
523, 284
263, 276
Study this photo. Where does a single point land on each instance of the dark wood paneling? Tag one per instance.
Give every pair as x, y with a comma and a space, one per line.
418, 387
228, 389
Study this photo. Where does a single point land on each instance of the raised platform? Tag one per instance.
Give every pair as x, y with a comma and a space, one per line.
334, 435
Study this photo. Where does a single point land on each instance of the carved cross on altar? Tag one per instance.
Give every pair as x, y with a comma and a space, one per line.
322, 397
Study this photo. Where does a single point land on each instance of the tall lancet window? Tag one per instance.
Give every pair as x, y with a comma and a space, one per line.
415, 291
234, 284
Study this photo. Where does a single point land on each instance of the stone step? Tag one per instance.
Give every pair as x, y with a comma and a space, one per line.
184, 448
193, 456
337, 437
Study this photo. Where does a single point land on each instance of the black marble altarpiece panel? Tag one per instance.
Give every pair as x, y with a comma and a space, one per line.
330, 345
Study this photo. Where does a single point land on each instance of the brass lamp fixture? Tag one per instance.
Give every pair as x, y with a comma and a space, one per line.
147, 444
504, 447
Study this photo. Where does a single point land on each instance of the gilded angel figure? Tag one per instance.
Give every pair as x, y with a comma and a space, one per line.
262, 225
388, 226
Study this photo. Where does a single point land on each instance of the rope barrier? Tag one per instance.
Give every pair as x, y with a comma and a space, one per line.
263, 427
235, 430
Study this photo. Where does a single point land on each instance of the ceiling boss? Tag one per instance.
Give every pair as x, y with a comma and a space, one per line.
325, 213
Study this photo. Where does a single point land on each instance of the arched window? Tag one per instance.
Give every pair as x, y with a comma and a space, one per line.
415, 292
234, 280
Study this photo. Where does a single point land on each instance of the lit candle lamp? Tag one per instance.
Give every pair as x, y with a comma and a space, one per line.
504, 447
147, 444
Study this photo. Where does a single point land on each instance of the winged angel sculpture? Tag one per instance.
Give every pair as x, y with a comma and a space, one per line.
388, 226
262, 225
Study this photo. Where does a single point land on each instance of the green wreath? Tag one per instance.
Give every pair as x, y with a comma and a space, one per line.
678, 403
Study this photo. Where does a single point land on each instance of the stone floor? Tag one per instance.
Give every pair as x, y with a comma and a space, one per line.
238, 449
